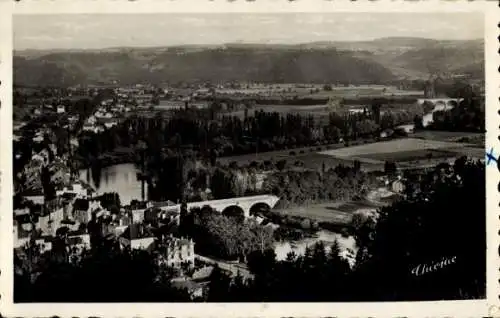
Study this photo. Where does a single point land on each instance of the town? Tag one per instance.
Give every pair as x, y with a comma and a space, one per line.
226, 188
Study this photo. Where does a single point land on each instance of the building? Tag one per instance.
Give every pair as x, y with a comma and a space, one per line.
44, 243
50, 222
386, 133
429, 90
138, 236
397, 186
91, 120
77, 189
83, 209
35, 196
77, 242
137, 209
110, 124
21, 232
177, 252
408, 129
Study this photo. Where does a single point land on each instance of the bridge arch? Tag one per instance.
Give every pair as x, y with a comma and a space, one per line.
234, 211
261, 208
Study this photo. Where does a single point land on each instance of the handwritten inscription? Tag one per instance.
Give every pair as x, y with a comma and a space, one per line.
423, 269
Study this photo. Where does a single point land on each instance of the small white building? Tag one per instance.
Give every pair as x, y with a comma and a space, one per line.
110, 124
44, 243
77, 188
409, 129
35, 197
37, 139
91, 120
50, 222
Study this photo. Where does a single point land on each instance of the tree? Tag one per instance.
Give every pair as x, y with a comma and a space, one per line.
110, 200
390, 168
418, 122
426, 228
218, 287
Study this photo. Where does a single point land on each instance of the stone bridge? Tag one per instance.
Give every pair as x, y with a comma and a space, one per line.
246, 206
445, 101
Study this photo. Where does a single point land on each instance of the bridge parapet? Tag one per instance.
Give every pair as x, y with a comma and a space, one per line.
243, 203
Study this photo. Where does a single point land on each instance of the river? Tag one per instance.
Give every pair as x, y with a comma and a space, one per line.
121, 178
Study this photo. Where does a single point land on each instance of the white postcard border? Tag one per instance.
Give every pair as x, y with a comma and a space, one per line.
489, 307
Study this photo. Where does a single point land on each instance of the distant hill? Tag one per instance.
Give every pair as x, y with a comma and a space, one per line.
445, 57
179, 64
379, 61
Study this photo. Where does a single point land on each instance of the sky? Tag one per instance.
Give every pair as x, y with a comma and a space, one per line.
80, 31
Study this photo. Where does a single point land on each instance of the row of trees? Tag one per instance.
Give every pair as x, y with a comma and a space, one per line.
198, 132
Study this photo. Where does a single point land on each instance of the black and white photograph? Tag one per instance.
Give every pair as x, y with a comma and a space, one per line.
249, 157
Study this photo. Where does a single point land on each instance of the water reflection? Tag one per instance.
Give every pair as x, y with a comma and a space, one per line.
118, 178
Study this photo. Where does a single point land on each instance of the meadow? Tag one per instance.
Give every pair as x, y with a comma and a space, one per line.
392, 146
451, 136
407, 153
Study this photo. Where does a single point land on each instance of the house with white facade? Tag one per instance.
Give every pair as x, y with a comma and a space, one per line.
177, 251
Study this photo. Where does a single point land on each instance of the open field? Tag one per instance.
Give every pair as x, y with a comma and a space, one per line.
317, 91
322, 212
309, 156
450, 136
409, 155
474, 152
406, 152
339, 213
392, 146
315, 160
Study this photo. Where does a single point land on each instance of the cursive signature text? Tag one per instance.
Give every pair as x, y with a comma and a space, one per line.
423, 269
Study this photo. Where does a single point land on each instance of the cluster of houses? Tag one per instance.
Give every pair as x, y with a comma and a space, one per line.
146, 226
106, 116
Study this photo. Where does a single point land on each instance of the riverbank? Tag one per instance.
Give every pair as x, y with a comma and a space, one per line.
121, 155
